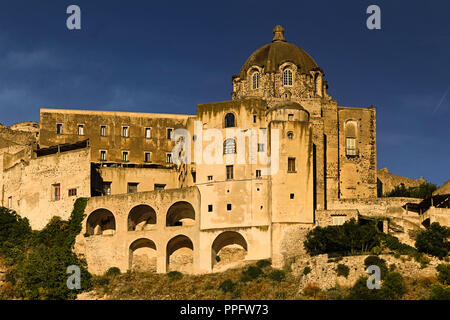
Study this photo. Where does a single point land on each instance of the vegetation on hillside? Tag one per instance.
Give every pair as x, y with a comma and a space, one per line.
37, 261
423, 191
364, 238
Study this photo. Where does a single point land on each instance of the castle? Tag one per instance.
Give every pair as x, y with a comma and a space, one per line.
256, 172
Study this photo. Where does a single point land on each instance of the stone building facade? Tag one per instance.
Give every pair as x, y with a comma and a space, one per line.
251, 172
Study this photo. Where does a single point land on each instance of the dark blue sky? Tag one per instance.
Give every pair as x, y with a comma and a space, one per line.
167, 56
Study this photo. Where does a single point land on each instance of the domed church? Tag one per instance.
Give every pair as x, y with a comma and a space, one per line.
241, 180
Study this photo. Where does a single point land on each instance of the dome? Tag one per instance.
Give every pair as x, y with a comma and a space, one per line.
272, 55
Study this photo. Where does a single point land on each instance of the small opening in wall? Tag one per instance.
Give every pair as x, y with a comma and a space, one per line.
261, 207
229, 207
291, 196
210, 178
257, 189
210, 207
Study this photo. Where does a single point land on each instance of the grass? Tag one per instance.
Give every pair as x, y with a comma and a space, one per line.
152, 286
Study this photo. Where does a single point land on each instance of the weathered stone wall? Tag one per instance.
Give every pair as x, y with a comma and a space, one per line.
357, 173
323, 273
114, 143
29, 185
325, 218
374, 206
145, 177
388, 181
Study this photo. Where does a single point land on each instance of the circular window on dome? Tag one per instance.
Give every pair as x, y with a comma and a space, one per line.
290, 135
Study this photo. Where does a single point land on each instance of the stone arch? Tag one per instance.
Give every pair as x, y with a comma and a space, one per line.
100, 222
180, 254
227, 239
142, 255
180, 213
351, 128
140, 217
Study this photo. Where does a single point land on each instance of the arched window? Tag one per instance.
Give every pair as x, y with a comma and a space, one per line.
287, 77
229, 120
229, 146
255, 80
350, 138
290, 135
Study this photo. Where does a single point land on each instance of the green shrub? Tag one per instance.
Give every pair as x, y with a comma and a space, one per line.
306, 270
42, 272
15, 231
359, 291
113, 271
175, 275
399, 248
342, 270
444, 273
251, 273
439, 292
377, 261
277, 275
227, 286
263, 263
376, 250
347, 239
394, 286
434, 240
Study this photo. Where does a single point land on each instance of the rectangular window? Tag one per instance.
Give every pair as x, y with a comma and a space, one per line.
194, 176
72, 192
169, 133
260, 147
169, 158
210, 208
56, 192
254, 118
290, 116
291, 196
102, 155
106, 188
132, 187
9, 202
337, 220
59, 128
291, 165
147, 157
103, 131
230, 173
148, 133
210, 178
125, 156
258, 173
228, 206
125, 132
159, 186
351, 146
81, 130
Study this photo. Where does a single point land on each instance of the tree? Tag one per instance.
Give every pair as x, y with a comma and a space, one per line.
434, 240
349, 238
